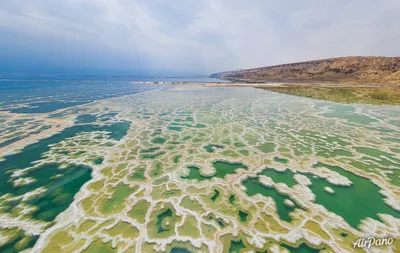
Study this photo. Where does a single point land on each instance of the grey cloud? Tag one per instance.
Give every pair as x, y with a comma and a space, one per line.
207, 35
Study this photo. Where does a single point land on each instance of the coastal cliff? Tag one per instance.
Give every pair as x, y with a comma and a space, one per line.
350, 70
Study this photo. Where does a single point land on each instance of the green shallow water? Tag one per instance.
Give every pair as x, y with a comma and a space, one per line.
160, 219
56, 199
61, 184
85, 119
254, 187
303, 248
281, 160
236, 246
347, 112
211, 147
243, 216
33, 152
215, 196
186, 130
180, 250
10, 141
59, 199
225, 168
285, 176
12, 248
354, 203
222, 169
43, 107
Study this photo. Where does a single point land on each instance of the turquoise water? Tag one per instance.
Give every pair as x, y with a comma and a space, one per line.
354, 203
57, 200
43, 94
303, 248
180, 250
254, 187
285, 176
61, 184
348, 112
8, 142
85, 119
160, 218
10, 247
222, 169
190, 128
236, 246
34, 151
44, 107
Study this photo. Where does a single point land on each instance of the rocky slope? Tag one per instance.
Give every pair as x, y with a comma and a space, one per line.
355, 69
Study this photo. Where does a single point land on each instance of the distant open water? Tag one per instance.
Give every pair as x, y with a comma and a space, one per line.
43, 94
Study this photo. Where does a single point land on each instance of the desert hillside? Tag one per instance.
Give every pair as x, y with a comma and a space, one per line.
355, 69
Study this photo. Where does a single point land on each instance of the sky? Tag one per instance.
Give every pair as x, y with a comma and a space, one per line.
186, 37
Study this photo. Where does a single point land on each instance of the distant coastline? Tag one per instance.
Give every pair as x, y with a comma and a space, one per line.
357, 70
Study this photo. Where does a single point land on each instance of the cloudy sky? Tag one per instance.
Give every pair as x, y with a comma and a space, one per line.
188, 36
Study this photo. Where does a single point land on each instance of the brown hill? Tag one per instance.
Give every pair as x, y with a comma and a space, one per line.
355, 69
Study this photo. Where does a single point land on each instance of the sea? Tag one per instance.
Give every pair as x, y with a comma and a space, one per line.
44, 94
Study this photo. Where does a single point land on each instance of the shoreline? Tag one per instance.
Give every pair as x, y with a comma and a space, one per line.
374, 94
275, 84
